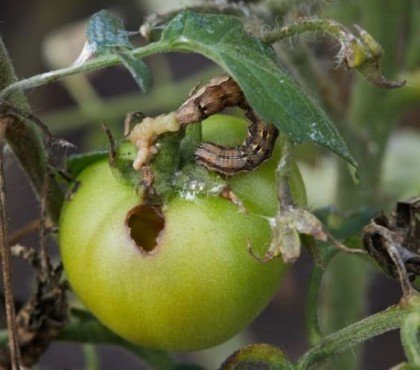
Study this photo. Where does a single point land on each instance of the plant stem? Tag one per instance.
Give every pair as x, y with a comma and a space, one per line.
91, 357
26, 141
410, 337
97, 63
5, 259
308, 25
354, 334
312, 297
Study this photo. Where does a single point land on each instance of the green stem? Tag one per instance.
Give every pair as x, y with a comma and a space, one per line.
354, 334
329, 26
26, 141
92, 65
91, 357
410, 337
311, 305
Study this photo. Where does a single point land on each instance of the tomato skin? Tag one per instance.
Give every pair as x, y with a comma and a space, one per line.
198, 287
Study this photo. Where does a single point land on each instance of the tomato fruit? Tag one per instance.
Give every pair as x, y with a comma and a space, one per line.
177, 276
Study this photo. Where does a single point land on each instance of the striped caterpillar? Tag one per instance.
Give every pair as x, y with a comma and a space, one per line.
223, 92
257, 148
219, 93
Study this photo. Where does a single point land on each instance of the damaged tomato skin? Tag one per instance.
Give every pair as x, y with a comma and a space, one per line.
196, 289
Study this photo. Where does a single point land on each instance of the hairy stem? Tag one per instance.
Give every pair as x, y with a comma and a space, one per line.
97, 63
354, 334
410, 337
5, 260
329, 26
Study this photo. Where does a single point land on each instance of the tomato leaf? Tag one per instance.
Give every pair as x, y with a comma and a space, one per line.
106, 31
138, 70
271, 91
106, 35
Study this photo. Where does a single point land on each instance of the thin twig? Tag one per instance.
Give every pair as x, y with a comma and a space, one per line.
5, 260
342, 247
45, 261
29, 228
112, 157
92, 65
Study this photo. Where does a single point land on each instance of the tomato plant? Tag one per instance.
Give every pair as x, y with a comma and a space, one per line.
177, 235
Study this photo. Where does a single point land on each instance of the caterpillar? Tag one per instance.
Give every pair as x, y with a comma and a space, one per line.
257, 148
219, 93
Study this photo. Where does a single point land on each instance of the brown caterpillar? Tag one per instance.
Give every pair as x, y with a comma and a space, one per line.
257, 148
220, 93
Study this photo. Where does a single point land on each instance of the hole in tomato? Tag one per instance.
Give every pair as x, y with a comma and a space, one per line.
145, 224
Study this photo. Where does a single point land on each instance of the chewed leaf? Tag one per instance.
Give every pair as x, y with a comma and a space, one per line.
272, 92
106, 31
138, 69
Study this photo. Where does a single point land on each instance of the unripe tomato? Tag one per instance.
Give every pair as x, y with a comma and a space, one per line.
176, 277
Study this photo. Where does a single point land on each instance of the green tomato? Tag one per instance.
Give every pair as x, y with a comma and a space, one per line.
176, 277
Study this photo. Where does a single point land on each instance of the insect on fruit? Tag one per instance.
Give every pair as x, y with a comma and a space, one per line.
219, 93
258, 147
177, 275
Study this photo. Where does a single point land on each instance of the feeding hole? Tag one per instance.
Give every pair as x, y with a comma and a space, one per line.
145, 224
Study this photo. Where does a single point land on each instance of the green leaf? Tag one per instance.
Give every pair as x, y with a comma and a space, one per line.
138, 69
106, 31
84, 328
268, 88
77, 163
106, 34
